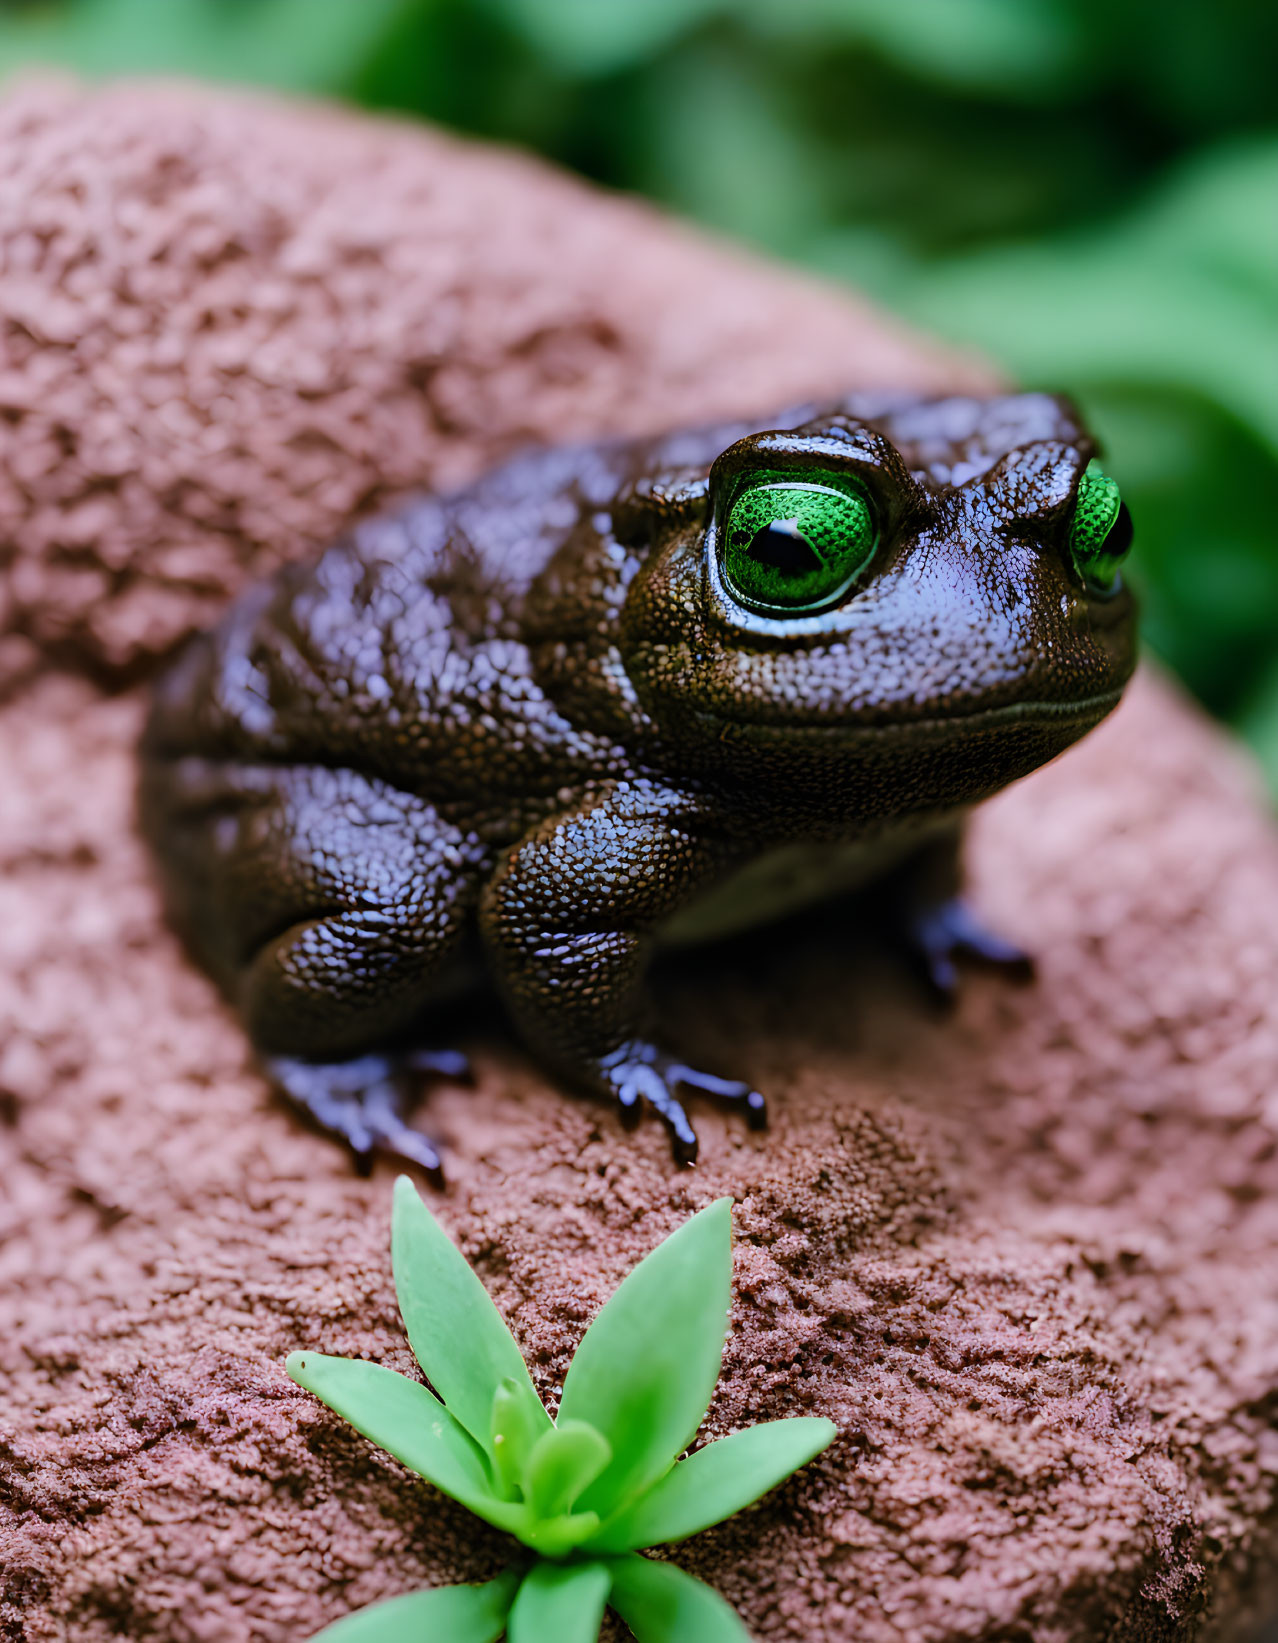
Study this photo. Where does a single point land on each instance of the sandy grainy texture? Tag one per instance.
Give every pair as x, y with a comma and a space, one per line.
1027, 1257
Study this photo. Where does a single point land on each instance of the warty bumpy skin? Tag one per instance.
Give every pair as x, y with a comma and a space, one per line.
578, 709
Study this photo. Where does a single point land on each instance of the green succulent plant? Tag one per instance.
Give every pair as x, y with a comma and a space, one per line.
588, 1490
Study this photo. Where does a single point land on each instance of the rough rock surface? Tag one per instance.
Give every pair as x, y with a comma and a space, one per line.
1026, 1257
226, 326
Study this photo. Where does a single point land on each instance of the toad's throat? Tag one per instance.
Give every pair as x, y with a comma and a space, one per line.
792, 876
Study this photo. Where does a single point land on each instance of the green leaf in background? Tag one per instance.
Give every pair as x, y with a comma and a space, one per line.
646, 1368
448, 1614
715, 1482
1181, 295
662, 1604
403, 1418
560, 1603
723, 148
457, 1334
587, 37
1018, 48
302, 45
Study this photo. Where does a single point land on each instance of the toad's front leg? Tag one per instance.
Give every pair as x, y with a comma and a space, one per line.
568, 920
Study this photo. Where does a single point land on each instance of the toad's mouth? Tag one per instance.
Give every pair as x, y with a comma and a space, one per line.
1069, 719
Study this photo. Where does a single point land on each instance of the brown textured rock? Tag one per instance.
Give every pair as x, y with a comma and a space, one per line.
1027, 1257
226, 326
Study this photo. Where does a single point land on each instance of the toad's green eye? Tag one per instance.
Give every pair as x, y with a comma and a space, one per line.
792, 545
1101, 532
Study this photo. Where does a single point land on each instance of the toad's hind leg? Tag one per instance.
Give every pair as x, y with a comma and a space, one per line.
925, 910
329, 904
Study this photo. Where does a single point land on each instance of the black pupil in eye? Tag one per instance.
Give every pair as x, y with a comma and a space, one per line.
780, 546
1119, 539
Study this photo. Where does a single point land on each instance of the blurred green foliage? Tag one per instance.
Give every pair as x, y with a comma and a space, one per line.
1086, 189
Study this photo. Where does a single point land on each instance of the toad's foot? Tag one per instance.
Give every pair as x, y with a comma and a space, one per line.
939, 934
638, 1072
360, 1101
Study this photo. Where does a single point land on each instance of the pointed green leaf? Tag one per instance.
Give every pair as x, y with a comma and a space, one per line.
645, 1371
715, 1482
515, 1431
662, 1604
457, 1334
554, 1536
566, 1460
559, 1603
404, 1418
449, 1614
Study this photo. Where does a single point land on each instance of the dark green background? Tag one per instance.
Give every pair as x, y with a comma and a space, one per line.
1086, 189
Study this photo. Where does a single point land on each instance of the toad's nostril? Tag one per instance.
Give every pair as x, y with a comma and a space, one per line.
780, 546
